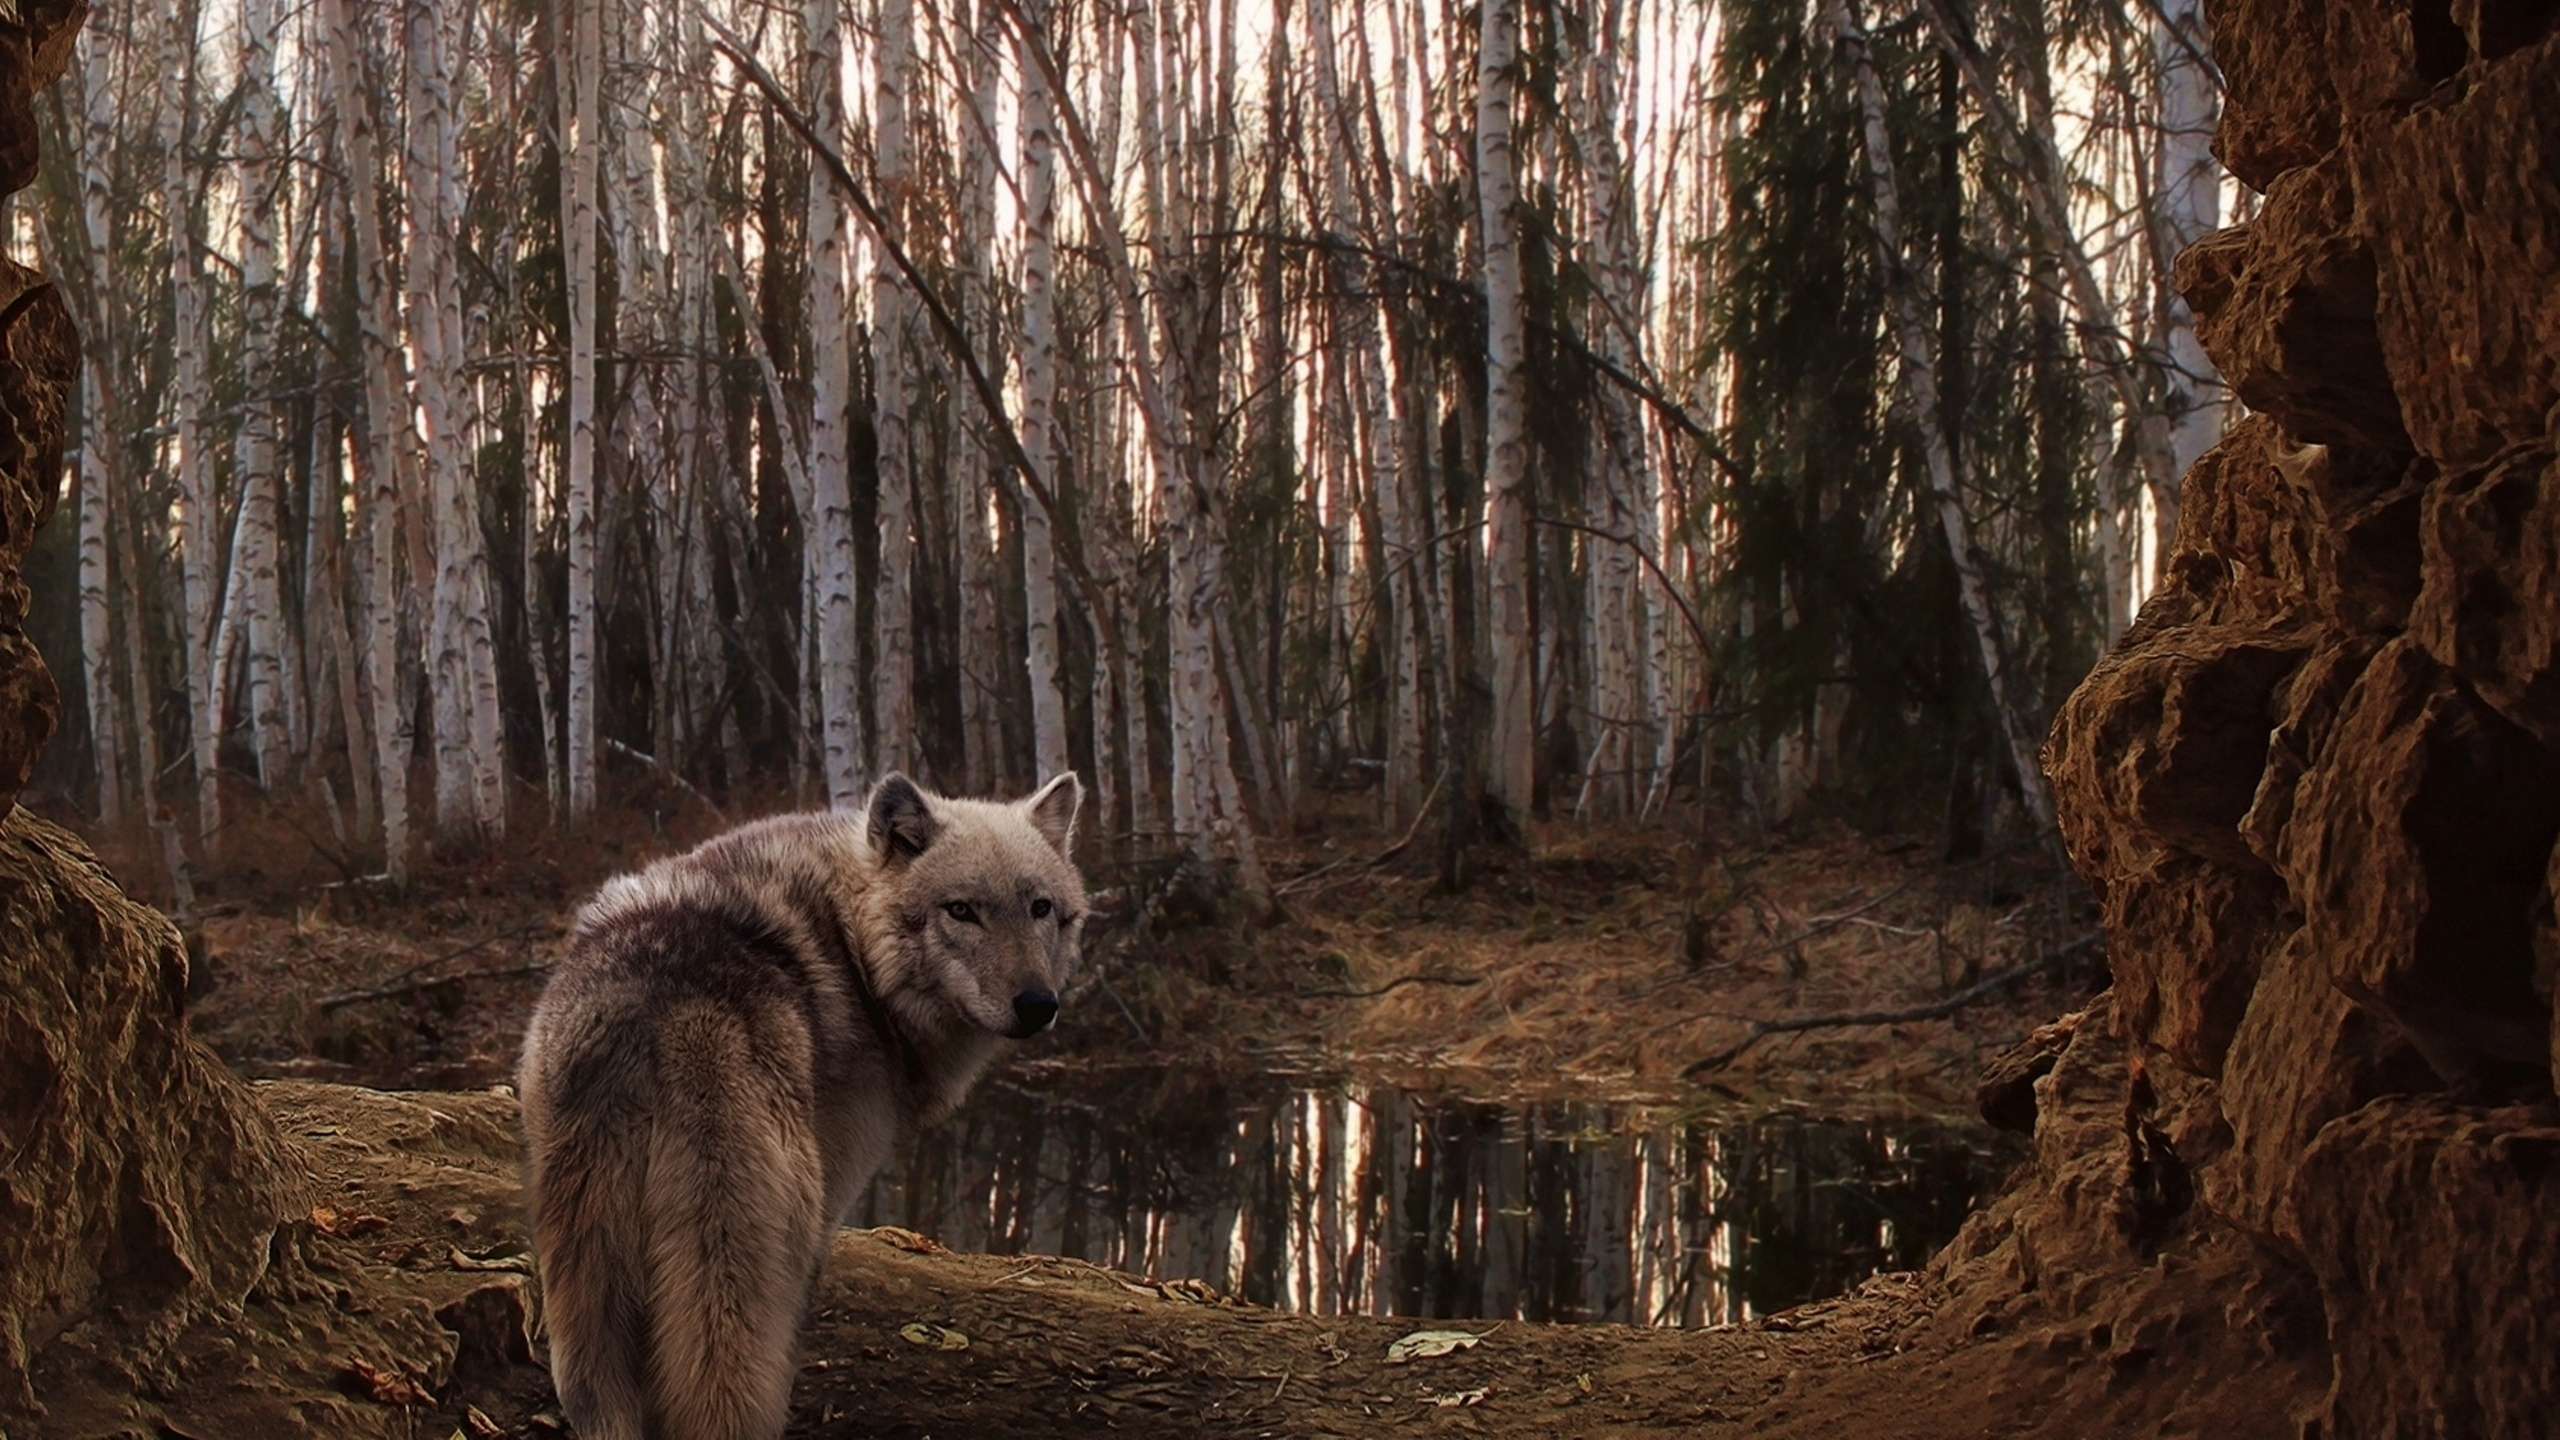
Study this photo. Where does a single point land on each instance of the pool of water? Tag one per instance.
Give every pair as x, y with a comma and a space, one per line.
1337, 1196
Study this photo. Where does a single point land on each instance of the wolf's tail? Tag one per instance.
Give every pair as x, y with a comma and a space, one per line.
679, 1238
587, 1184
734, 1211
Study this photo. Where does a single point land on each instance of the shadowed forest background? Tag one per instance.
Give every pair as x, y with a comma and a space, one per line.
499, 414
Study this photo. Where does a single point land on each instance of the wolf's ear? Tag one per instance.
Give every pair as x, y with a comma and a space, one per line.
1053, 811
902, 822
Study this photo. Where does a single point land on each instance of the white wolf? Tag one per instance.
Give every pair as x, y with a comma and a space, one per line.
732, 1042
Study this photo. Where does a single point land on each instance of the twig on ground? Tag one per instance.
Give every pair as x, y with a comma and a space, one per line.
390, 985
1814, 927
1935, 1009
672, 778
418, 983
1399, 981
1421, 813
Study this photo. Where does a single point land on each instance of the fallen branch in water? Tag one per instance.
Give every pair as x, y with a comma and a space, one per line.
1398, 982
1935, 1009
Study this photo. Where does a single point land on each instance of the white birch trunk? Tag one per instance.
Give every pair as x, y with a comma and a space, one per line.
830, 527
2033, 151
1614, 490
893, 674
100, 455
1920, 390
379, 496
1379, 456
581, 98
2190, 191
699, 657
200, 508
973, 476
462, 656
1207, 811
1512, 773
1039, 420
255, 462
642, 448
2115, 536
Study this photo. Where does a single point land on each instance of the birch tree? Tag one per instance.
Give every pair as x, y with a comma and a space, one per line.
1207, 808
1380, 458
1038, 138
893, 671
200, 517
254, 559
973, 476
462, 654
100, 453
1342, 387
383, 460
831, 526
2190, 208
1920, 388
2033, 153
1506, 475
1618, 498
582, 79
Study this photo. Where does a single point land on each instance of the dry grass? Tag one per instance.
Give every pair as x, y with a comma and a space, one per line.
1601, 962
1597, 966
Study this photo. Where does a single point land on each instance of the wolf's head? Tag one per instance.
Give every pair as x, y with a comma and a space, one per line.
982, 897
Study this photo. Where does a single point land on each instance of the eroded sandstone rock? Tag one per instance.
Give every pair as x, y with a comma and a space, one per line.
141, 1185
2317, 788
142, 1175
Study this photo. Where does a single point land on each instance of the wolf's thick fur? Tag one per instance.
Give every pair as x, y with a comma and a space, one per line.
732, 1042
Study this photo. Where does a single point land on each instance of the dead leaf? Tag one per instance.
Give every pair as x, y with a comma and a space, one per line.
346, 1224
907, 1240
387, 1387
481, 1425
1458, 1398
932, 1337
1431, 1345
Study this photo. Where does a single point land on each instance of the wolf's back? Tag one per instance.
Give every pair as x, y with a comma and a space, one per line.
675, 1180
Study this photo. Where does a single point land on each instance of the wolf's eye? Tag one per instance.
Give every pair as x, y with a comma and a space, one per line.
962, 911
1040, 909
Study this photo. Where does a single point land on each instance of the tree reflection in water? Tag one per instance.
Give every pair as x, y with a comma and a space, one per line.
1369, 1198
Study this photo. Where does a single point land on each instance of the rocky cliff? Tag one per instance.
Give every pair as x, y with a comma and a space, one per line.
2318, 785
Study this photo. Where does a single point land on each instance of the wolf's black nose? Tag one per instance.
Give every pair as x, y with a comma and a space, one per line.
1032, 1012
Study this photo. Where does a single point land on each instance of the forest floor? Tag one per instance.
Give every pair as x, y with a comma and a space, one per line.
1600, 963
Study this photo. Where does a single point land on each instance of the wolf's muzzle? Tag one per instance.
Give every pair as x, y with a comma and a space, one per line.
1032, 1012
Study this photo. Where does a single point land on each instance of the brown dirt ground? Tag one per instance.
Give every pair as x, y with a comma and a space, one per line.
1598, 964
